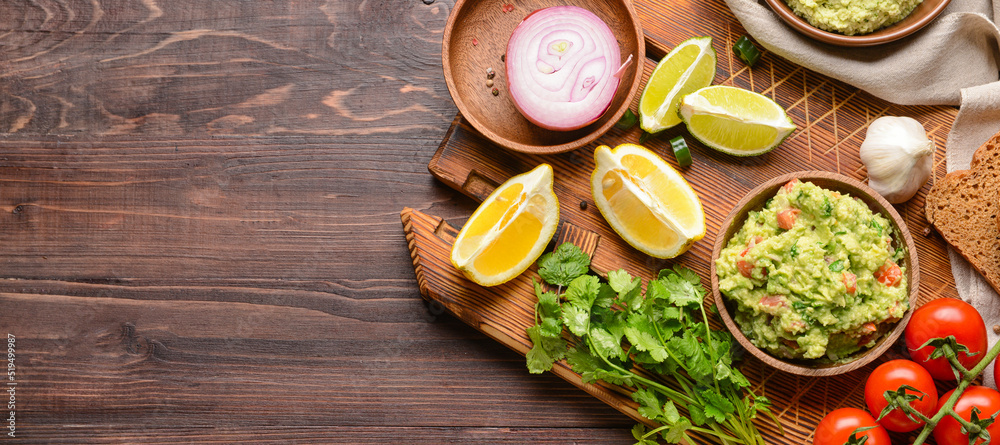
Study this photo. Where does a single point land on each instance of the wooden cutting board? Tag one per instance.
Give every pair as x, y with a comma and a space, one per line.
831, 117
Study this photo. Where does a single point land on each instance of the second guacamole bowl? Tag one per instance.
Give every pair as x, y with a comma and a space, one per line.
756, 200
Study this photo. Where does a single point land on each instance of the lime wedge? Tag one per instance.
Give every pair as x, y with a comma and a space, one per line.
735, 121
686, 68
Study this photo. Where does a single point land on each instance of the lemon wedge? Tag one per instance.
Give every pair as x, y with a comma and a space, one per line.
686, 68
646, 201
509, 230
735, 121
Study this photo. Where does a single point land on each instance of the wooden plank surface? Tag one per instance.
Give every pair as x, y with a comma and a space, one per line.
200, 237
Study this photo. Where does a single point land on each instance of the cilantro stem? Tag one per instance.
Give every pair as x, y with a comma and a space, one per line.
680, 363
723, 436
708, 342
676, 397
669, 392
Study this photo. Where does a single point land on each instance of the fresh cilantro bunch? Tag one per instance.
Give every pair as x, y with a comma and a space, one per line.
657, 342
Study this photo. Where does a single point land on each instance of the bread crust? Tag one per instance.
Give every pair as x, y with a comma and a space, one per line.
963, 207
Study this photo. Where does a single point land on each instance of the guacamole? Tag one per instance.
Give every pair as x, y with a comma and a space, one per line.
814, 274
851, 17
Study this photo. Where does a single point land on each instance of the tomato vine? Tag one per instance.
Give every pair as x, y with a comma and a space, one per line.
975, 428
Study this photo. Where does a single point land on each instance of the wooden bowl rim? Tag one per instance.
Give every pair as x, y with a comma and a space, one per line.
738, 215
638, 61
922, 15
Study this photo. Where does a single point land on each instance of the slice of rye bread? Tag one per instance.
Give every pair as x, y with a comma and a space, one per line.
963, 207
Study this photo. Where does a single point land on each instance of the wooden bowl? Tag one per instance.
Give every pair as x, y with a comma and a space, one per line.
920, 16
476, 37
756, 200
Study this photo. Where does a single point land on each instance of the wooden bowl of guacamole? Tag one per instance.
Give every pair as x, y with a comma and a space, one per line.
814, 273
860, 23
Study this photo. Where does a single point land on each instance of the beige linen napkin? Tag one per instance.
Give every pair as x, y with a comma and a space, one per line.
953, 61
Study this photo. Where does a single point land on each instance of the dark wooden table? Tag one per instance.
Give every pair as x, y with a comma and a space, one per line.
200, 237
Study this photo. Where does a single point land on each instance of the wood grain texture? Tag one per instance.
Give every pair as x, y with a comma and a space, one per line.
192, 68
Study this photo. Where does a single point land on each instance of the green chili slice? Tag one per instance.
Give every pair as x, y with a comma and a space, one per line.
628, 120
681, 151
746, 50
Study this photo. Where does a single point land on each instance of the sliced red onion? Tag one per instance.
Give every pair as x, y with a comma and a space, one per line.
561, 66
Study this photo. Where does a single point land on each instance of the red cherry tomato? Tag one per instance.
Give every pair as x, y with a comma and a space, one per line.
838, 426
949, 431
889, 376
938, 319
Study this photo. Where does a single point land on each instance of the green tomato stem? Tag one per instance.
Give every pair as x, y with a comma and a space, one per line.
949, 407
956, 365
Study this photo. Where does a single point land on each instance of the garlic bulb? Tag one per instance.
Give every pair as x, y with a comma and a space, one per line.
897, 154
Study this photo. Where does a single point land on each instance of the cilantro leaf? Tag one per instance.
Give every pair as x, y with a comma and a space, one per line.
619, 280
632, 299
697, 414
583, 363
686, 345
698, 365
591, 368
682, 291
563, 265
677, 432
722, 371
605, 296
671, 314
876, 225
650, 406
577, 319
640, 333
613, 321
645, 342
837, 266
604, 343
544, 351
583, 290
655, 290
639, 434
670, 412
717, 406
548, 311
687, 274
733, 377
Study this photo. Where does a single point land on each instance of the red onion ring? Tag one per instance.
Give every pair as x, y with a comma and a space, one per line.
561, 65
